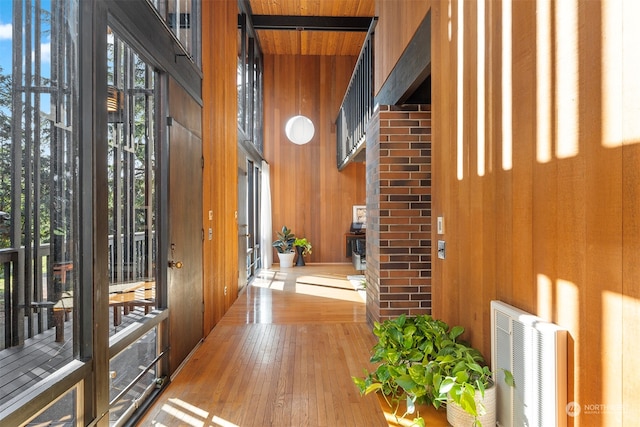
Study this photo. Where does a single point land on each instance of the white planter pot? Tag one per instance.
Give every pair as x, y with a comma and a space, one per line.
457, 417
286, 260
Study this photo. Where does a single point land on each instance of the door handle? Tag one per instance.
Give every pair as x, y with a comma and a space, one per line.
175, 264
172, 263
246, 235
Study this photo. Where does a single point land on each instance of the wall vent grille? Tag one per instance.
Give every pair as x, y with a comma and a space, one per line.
535, 351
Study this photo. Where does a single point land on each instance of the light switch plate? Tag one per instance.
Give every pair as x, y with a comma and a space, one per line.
440, 225
441, 249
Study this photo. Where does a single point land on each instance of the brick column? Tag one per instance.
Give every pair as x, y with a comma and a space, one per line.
398, 167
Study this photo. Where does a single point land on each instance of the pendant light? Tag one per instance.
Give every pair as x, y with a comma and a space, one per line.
299, 129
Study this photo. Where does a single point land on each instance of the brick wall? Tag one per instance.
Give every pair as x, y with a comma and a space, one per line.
398, 166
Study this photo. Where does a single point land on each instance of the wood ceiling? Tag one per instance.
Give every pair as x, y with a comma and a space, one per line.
307, 42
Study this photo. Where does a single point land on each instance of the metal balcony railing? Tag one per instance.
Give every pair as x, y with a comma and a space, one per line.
357, 106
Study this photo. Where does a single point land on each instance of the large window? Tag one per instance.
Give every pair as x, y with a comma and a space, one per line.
83, 137
257, 89
39, 192
249, 82
131, 162
242, 80
183, 18
249, 75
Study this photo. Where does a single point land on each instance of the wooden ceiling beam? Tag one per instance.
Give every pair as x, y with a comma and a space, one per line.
311, 23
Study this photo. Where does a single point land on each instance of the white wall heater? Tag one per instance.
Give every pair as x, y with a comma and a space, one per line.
535, 351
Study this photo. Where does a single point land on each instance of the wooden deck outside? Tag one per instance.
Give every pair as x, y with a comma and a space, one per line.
283, 355
24, 366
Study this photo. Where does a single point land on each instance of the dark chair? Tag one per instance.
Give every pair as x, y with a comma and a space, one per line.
359, 253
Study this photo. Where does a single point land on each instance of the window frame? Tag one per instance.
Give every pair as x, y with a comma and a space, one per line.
139, 24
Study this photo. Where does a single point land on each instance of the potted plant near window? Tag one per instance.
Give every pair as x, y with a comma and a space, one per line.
284, 246
303, 247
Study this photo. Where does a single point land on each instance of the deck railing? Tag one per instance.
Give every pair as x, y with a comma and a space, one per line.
357, 105
134, 260
25, 310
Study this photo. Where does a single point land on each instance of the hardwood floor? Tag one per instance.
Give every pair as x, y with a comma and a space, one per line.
283, 355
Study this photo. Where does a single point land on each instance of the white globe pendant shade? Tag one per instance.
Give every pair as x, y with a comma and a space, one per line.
299, 130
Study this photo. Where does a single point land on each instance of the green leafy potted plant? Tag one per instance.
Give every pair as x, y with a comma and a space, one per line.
405, 345
466, 385
284, 246
303, 246
422, 361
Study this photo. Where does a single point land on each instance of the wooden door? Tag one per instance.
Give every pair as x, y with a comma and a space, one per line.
185, 285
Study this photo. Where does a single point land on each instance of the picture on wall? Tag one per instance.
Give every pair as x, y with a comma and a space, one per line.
360, 215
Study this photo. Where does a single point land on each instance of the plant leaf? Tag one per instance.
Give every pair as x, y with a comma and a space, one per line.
462, 377
401, 319
411, 405
476, 368
468, 403
415, 355
508, 378
456, 331
359, 382
446, 385
410, 329
373, 387
405, 382
480, 385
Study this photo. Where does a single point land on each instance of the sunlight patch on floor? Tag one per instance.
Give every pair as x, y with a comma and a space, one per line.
328, 292
259, 282
191, 415
270, 280
325, 280
184, 417
278, 286
267, 284
326, 285
189, 407
223, 423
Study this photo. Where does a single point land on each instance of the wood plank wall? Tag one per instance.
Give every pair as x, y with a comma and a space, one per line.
309, 194
536, 153
220, 189
397, 23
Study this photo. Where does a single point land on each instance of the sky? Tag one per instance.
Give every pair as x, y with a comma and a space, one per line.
6, 36
6, 33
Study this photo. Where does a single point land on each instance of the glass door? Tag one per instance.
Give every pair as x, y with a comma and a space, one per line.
131, 205
253, 214
244, 235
